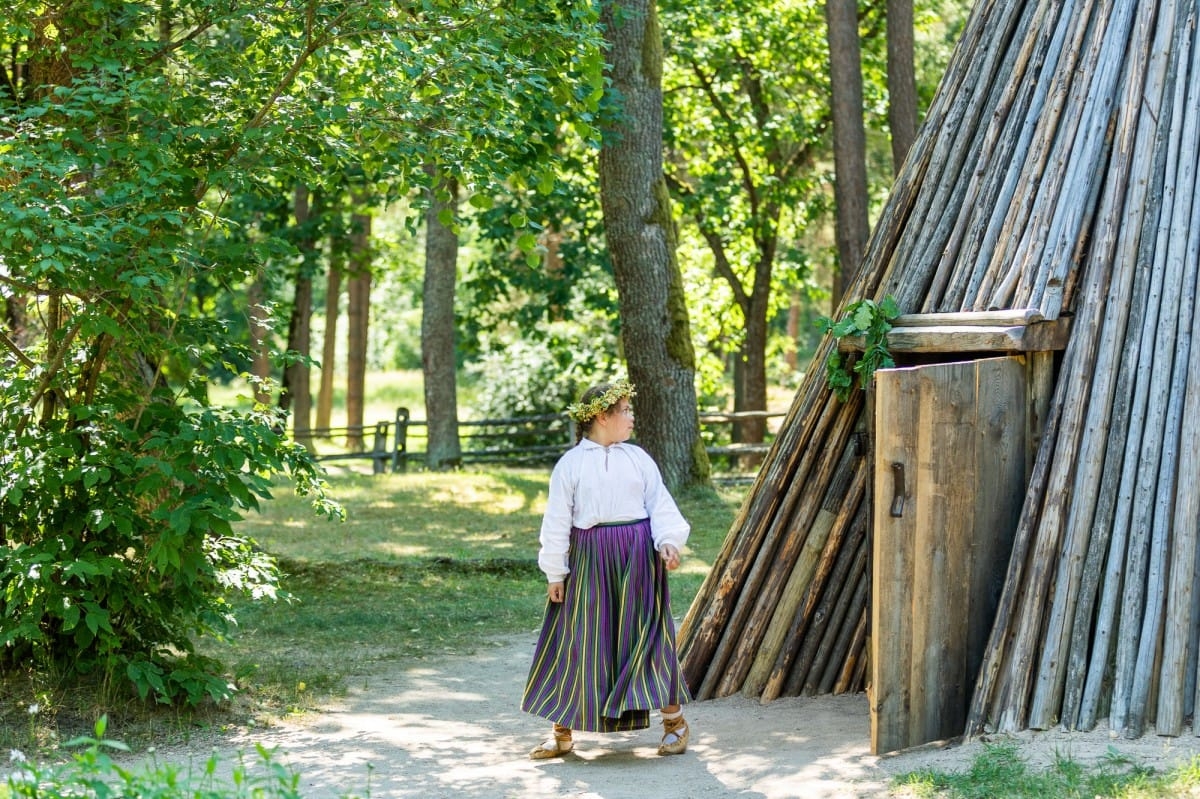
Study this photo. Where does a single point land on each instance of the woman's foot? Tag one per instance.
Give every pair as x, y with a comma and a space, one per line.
675, 734
557, 745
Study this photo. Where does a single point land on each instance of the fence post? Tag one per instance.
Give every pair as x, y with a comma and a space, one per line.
379, 448
400, 451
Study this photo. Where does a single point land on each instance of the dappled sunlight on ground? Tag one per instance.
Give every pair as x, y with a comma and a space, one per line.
454, 729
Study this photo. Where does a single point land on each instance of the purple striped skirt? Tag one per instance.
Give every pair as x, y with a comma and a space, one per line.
606, 654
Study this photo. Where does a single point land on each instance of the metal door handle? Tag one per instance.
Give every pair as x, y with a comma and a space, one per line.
897, 508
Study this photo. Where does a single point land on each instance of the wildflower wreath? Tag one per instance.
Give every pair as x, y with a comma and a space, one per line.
582, 412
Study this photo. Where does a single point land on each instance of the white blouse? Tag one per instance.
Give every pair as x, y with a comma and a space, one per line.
593, 485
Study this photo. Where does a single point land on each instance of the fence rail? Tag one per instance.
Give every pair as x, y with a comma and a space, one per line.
524, 440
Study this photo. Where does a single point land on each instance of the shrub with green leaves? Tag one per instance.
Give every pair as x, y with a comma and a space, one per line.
871, 320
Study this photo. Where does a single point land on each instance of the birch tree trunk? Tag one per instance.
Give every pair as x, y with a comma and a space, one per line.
655, 330
296, 395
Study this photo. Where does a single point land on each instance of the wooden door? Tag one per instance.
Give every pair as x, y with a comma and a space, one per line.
950, 471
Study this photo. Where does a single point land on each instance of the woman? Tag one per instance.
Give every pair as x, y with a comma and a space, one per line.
606, 654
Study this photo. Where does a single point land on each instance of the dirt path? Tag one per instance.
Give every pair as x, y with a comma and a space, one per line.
454, 729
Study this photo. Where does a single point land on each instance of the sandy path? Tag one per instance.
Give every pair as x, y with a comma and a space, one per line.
453, 728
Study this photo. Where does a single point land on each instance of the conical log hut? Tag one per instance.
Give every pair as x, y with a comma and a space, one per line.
1055, 175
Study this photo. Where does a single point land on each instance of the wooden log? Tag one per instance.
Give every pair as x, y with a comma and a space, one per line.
829, 613
1183, 617
965, 133
852, 625
1074, 579
856, 655
777, 485
827, 533
836, 552
1021, 98
1022, 211
772, 569
1108, 406
1180, 263
1112, 517
749, 571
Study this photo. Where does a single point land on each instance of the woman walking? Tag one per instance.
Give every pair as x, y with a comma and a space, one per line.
606, 655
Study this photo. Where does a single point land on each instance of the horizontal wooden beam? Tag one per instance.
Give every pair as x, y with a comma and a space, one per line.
1035, 337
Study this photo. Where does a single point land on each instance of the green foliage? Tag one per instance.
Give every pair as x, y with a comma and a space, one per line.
144, 183
529, 376
871, 320
1000, 770
93, 772
119, 545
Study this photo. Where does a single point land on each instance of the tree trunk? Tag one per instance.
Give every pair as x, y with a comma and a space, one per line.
849, 140
296, 395
259, 323
333, 295
438, 361
655, 330
358, 289
901, 80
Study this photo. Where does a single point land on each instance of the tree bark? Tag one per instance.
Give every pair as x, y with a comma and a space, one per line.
296, 394
333, 295
438, 361
259, 322
849, 140
901, 80
358, 307
655, 330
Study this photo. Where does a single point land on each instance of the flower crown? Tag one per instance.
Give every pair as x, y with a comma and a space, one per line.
582, 412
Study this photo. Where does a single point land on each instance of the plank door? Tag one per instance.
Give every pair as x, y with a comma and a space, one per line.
949, 479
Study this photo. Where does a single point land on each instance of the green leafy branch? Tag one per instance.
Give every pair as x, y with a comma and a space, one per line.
871, 320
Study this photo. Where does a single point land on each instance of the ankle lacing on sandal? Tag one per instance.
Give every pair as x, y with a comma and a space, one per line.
675, 736
555, 746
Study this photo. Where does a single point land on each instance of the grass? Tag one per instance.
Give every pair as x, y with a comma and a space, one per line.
1000, 772
426, 564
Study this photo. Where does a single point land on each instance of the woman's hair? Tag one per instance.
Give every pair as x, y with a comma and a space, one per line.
596, 401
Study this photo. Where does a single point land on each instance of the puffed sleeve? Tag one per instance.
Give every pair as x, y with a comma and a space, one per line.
667, 525
555, 536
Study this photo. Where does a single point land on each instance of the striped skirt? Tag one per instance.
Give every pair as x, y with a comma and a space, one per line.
606, 654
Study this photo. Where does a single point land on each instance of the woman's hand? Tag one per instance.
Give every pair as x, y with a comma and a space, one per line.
555, 591
670, 556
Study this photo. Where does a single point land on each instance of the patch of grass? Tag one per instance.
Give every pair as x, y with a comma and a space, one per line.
1000, 772
426, 564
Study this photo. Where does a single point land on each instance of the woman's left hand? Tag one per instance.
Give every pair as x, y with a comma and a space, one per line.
670, 556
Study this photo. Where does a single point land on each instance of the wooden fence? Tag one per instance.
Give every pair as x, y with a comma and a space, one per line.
392, 445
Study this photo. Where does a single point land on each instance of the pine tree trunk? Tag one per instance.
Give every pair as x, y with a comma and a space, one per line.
655, 330
901, 80
358, 308
849, 139
437, 329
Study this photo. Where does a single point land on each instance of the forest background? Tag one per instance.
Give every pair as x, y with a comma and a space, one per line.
199, 195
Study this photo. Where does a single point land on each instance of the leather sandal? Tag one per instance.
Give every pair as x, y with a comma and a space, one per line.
676, 734
557, 745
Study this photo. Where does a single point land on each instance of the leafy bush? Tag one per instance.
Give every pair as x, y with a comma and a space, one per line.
119, 545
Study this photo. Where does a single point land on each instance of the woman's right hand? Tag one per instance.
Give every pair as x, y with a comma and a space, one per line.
555, 591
